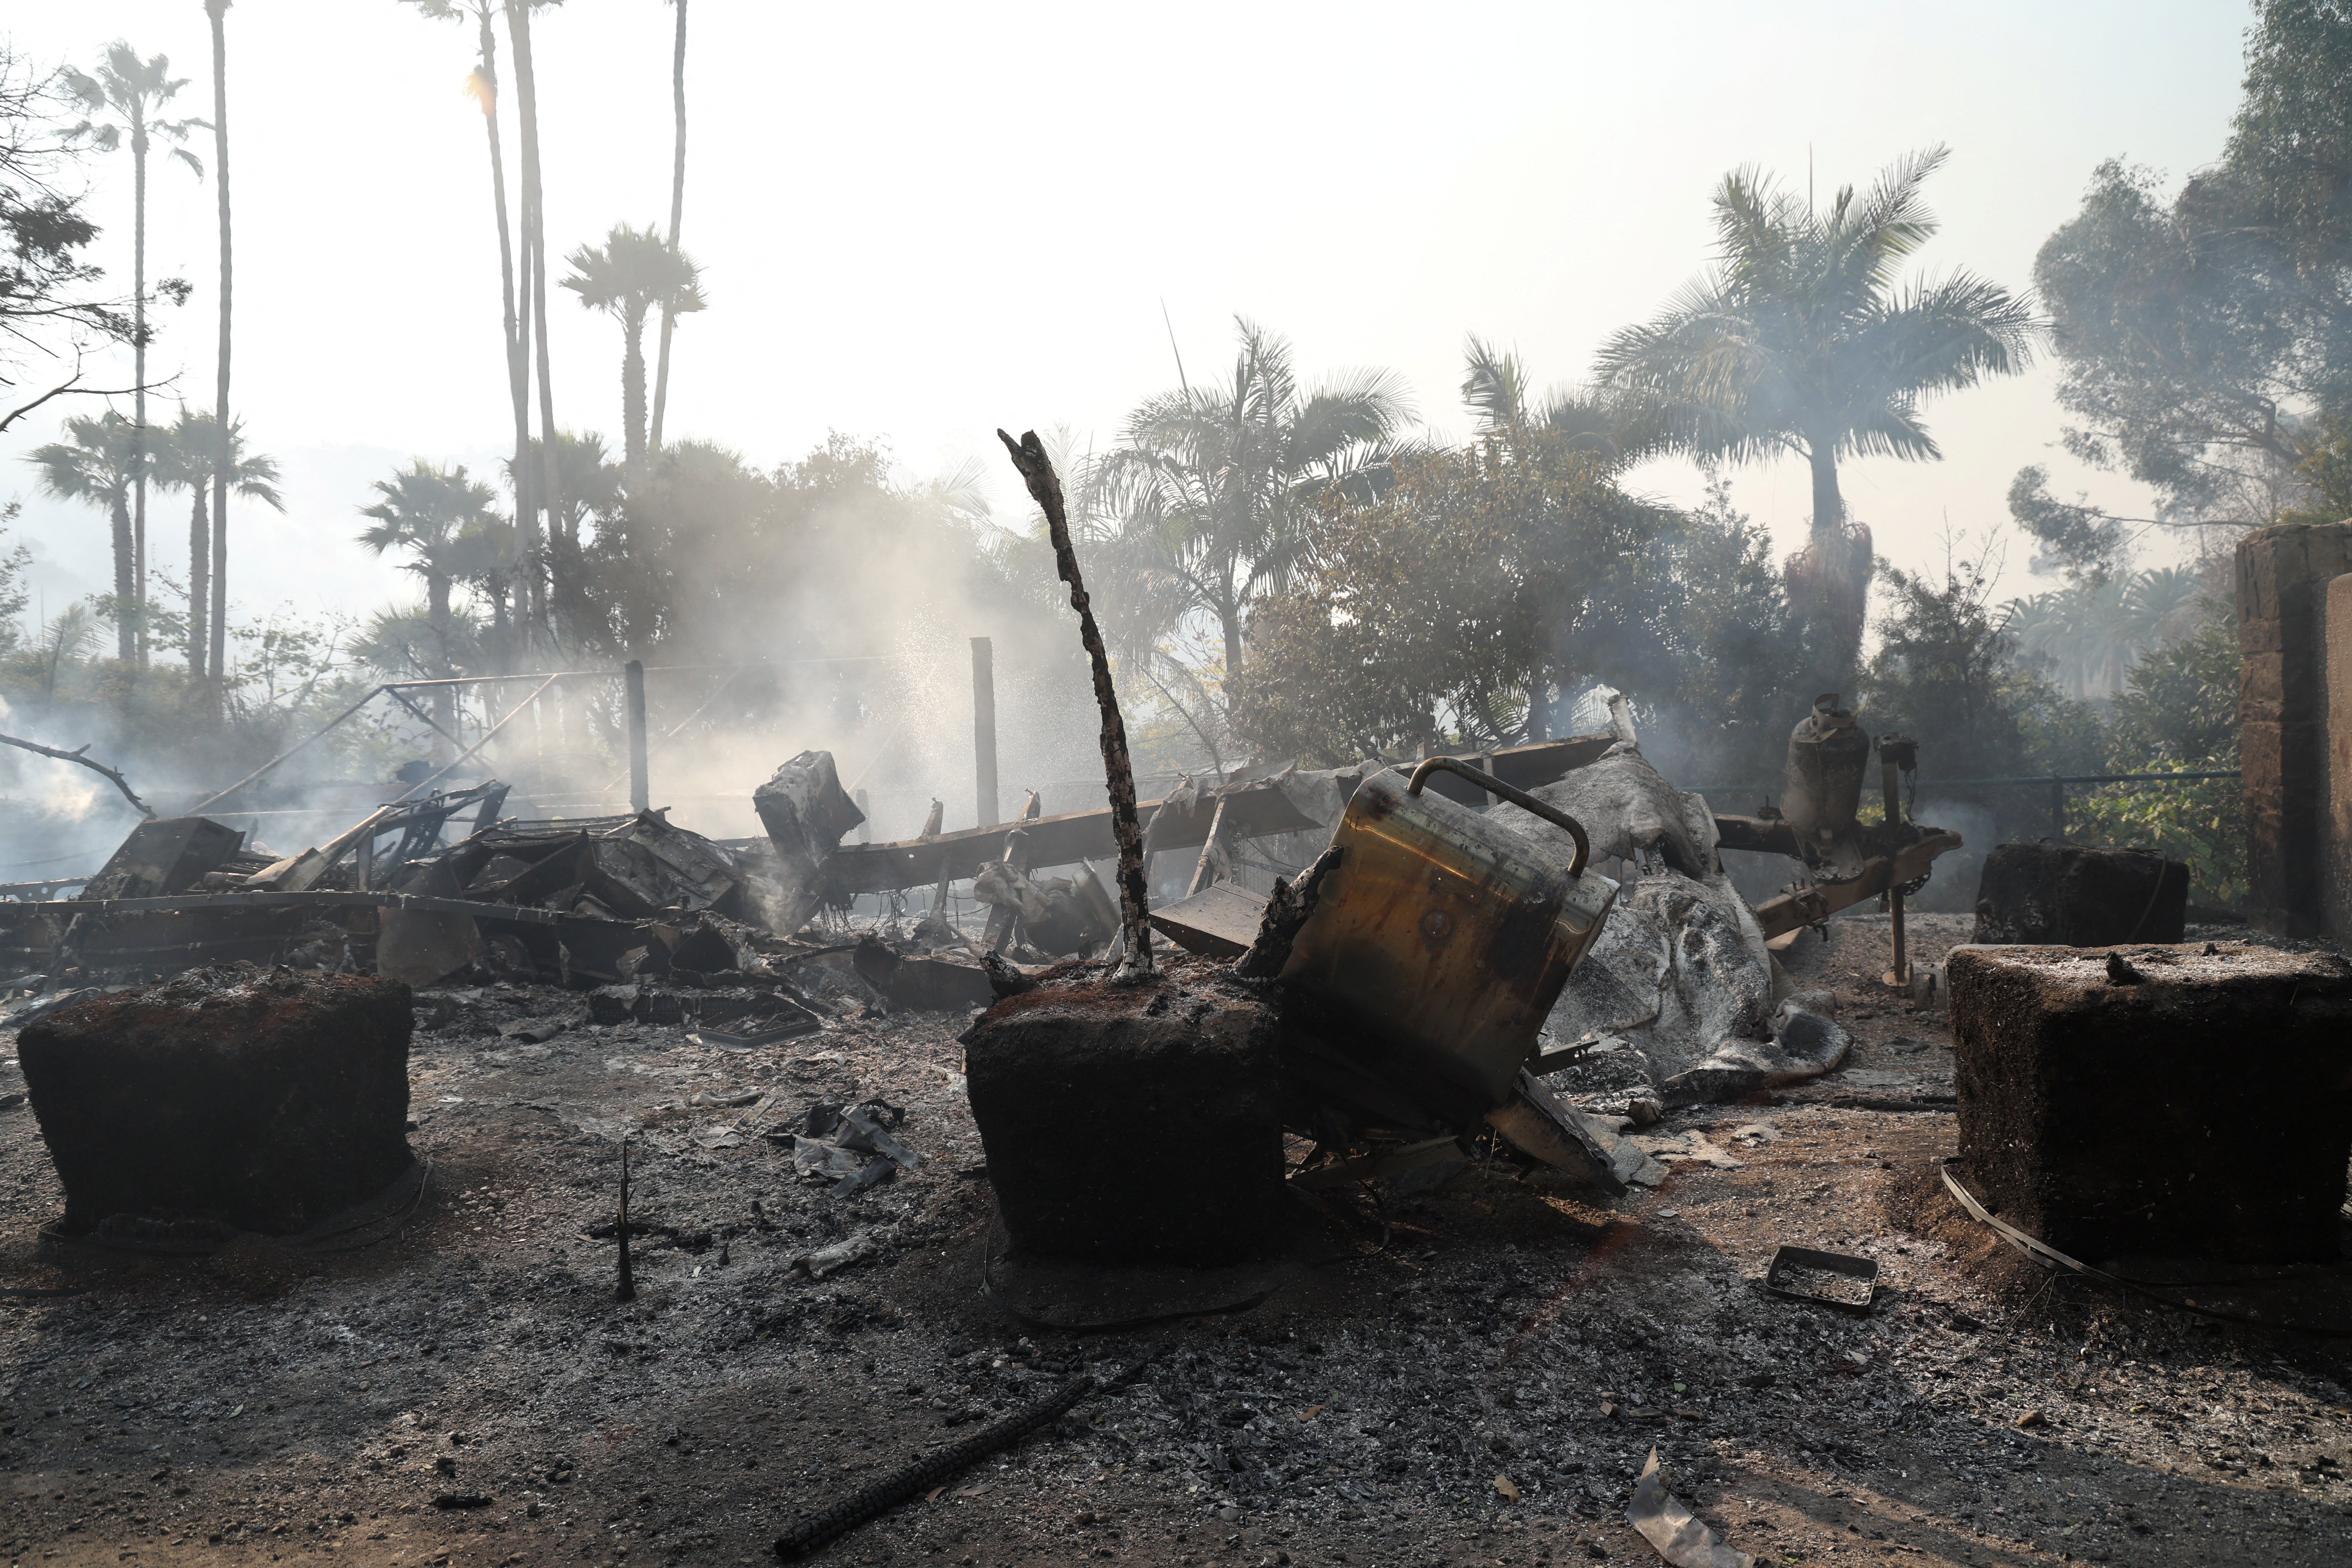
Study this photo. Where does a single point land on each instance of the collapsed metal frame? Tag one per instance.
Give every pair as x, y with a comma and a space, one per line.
631, 675
397, 690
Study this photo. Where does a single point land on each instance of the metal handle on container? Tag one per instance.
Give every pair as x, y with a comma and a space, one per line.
1511, 792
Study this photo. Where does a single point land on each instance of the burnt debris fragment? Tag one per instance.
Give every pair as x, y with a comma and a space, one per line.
2077, 896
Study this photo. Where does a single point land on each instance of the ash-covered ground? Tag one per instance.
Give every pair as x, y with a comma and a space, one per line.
266, 1404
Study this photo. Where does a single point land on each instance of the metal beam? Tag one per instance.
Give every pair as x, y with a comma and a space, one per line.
1252, 809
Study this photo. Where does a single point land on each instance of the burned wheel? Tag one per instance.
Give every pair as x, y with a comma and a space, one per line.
506, 958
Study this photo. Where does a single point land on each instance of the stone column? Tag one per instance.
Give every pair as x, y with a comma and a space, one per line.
2284, 574
2335, 898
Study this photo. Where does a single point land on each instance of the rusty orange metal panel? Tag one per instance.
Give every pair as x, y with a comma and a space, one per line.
1446, 935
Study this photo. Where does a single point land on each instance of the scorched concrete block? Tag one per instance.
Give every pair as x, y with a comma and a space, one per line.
1132, 1124
2153, 1101
265, 1098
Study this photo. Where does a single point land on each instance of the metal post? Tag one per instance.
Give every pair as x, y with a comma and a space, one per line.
1203, 869
2057, 808
640, 789
866, 809
984, 727
1901, 973
1003, 918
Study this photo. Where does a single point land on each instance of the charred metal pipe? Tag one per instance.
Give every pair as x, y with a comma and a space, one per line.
935, 1469
626, 1291
942, 1464
1515, 795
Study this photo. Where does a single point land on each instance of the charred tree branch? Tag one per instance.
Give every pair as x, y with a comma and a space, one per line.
1046, 486
97, 767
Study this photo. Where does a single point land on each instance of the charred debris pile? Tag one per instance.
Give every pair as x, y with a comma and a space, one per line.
582, 903
1453, 961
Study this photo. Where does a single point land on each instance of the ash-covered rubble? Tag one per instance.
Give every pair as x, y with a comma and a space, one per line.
578, 903
1680, 1001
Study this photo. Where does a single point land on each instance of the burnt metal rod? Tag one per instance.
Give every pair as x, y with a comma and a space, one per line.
285, 756
626, 1291
397, 695
672, 733
1046, 486
598, 674
487, 736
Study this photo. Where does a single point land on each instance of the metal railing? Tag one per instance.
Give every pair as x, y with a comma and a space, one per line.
2056, 783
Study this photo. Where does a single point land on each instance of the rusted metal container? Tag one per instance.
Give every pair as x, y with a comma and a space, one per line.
1820, 788
1444, 935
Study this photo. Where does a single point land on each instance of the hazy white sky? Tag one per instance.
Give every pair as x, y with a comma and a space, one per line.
919, 223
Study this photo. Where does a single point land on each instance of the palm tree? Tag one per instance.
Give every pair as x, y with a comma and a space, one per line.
677, 211
482, 85
2165, 604
535, 224
1799, 342
2095, 631
99, 464
1208, 486
587, 481
1619, 428
632, 273
132, 89
184, 459
444, 520
217, 662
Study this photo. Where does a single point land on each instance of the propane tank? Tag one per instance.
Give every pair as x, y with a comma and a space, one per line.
1828, 754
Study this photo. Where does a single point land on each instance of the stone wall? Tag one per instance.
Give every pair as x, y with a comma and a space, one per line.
2283, 715
2335, 892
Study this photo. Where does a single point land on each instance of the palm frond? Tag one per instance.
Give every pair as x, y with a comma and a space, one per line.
1494, 384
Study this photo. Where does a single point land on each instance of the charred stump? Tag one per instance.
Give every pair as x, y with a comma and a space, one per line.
265, 1100
1132, 1124
2151, 1100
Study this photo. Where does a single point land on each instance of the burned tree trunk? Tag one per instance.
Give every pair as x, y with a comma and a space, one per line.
1046, 486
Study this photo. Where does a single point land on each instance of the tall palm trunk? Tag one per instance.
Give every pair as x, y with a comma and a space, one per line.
633, 392
216, 10
1829, 579
518, 336
139, 361
1229, 616
200, 582
677, 211
1828, 505
534, 218
126, 616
